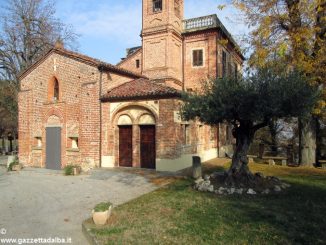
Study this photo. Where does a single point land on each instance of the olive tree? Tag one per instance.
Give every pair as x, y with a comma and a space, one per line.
249, 104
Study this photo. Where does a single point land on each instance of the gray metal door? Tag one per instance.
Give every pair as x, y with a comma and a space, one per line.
53, 148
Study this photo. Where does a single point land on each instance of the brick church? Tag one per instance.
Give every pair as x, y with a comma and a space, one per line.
75, 109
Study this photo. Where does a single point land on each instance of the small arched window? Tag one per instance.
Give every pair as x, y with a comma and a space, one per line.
53, 90
56, 90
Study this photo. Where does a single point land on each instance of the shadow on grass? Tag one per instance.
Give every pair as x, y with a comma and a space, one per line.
296, 216
177, 214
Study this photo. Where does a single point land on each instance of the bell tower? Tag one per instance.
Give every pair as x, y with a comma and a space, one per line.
162, 40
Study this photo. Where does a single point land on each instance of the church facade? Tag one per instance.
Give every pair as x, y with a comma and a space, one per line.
74, 109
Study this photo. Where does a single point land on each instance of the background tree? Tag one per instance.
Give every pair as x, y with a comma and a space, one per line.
250, 104
293, 33
28, 28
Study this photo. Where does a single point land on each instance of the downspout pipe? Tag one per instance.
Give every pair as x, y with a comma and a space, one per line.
100, 94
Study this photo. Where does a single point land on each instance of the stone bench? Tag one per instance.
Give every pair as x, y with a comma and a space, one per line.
251, 158
322, 163
271, 160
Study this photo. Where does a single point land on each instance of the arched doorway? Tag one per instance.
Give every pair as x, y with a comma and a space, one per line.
125, 141
147, 142
135, 136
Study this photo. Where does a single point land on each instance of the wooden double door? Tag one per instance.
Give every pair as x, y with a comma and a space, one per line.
147, 146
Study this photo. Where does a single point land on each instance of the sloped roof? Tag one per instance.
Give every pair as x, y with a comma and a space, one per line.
82, 58
140, 89
129, 56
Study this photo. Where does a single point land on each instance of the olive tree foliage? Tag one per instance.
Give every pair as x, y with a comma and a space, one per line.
249, 104
28, 28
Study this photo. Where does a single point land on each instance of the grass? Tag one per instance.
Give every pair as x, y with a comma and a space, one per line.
176, 214
103, 206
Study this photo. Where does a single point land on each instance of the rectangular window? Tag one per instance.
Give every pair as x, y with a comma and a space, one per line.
157, 6
200, 133
74, 143
187, 134
38, 142
198, 57
137, 63
235, 70
223, 64
213, 133
230, 70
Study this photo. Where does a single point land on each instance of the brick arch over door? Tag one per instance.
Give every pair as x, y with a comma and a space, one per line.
53, 112
54, 121
123, 109
136, 139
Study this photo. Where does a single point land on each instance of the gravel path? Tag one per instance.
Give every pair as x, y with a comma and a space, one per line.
39, 203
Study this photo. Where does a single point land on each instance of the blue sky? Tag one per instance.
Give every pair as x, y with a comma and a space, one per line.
108, 27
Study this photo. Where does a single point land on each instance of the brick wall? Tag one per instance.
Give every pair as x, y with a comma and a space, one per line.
130, 62
78, 109
194, 75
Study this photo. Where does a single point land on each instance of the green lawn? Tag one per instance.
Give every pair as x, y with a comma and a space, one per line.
176, 214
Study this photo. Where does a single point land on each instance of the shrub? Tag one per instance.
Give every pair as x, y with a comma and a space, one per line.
69, 170
13, 163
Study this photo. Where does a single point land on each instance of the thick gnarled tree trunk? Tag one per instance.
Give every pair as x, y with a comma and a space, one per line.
239, 170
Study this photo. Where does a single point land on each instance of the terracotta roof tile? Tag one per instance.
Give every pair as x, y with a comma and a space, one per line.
140, 89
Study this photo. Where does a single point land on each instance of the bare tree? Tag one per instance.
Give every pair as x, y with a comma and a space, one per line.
28, 28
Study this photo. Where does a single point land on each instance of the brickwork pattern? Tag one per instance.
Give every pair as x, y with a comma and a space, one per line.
166, 56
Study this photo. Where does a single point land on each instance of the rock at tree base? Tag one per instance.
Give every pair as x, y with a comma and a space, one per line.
258, 184
266, 192
251, 192
277, 188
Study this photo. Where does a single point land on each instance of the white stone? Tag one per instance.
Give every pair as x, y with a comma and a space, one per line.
285, 185
266, 192
206, 183
277, 188
211, 188
251, 192
201, 188
239, 191
206, 177
231, 191
199, 180
221, 190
